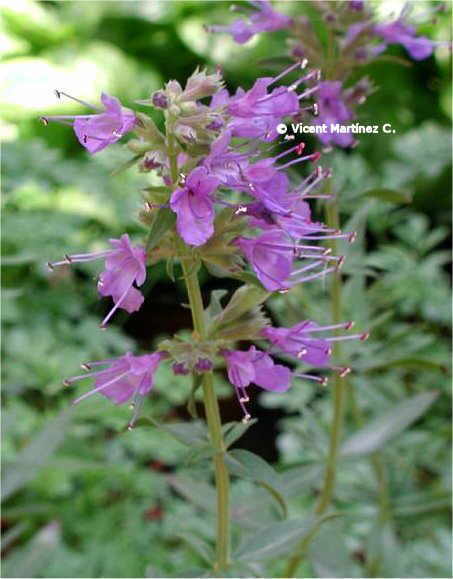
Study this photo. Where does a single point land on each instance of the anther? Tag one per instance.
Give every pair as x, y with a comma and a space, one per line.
67, 258
244, 399
352, 237
57, 93
66, 382
302, 352
246, 418
324, 381
131, 406
364, 336
85, 367
315, 157
50, 266
349, 325
304, 63
315, 109
327, 251
340, 262
130, 427
44, 121
283, 291
344, 371
300, 147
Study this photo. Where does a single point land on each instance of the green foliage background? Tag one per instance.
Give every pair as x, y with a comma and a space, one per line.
82, 498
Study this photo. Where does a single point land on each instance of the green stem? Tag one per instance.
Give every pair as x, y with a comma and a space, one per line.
339, 389
339, 395
215, 427
211, 405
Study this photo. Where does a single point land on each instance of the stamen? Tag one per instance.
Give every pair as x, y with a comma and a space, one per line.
323, 380
288, 70
84, 103
99, 388
342, 370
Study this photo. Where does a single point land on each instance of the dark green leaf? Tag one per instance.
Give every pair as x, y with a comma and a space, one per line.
163, 221
382, 429
388, 195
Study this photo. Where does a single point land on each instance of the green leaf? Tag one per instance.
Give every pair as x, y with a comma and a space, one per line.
382, 429
189, 433
201, 494
407, 362
199, 546
242, 301
247, 465
232, 431
389, 195
163, 221
215, 307
35, 455
278, 539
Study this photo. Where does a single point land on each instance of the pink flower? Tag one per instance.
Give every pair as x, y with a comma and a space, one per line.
125, 265
123, 378
264, 19
257, 367
194, 207
98, 131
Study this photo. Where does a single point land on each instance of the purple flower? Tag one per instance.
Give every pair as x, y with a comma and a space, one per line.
194, 206
125, 265
396, 32
273, 253
123, 378
332, 109
257, 367
98, 131
264, 19
303, 342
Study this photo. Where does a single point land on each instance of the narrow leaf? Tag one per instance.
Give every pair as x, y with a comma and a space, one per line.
163, 221
382, 429
233, 431
389, 195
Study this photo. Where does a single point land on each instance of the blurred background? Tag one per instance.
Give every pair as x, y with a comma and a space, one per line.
82, 498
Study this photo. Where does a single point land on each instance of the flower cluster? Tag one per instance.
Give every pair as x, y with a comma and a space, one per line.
230, 199
355, 39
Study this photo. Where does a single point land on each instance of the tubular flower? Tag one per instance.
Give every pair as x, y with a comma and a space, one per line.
125, 265
272, 256
194, 207
264, 19
123, 378
331, 110
304, 342
98, 131
257, 367
397, 32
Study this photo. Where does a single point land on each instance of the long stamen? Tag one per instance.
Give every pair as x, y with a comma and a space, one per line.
289, 69
99, 388
308, 92
344, 325
59, 93
323, 380
313, 158
314, 276
89, 365
73, 379
362, 337
306, 268
115, 307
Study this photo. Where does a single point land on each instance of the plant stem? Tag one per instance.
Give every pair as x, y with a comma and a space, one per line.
215, 427
339, 395
339, 390
222, 479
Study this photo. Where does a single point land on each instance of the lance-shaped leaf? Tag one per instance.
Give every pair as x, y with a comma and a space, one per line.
189, 433
164, 220
242, 301
279, 538
35, 455
232, 431
385, 427
247, 465
389, 195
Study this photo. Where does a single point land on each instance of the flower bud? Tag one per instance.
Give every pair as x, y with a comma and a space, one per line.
159, 100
